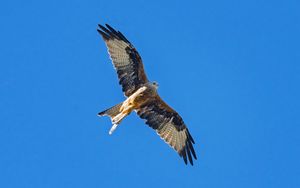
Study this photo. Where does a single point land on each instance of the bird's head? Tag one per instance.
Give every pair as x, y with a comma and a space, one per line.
155, 84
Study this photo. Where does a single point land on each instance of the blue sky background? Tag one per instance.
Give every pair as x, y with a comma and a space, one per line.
230, 68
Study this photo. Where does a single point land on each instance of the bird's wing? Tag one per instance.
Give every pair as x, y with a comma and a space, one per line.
125, 58
169, 126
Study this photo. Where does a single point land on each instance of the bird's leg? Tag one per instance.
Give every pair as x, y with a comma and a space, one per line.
125, 109
118, 118
116, 121
128, 103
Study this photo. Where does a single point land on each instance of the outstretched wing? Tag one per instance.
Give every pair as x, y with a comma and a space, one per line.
169, 126
125, 59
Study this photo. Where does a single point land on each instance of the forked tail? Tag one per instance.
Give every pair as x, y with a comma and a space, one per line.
111, 112
115, 115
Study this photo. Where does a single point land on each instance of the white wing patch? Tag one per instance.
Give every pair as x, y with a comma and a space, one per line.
174, 138
117, 53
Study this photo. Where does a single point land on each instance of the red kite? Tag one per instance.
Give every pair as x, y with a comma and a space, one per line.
142, 96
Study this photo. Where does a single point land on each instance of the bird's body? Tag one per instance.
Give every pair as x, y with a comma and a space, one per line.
142, 97
135, 101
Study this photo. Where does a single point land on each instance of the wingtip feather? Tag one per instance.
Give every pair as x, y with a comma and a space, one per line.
188, 151
104, 35
190, 136
183, 154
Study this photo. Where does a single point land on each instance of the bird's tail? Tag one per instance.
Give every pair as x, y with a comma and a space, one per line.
111, 112
115, 115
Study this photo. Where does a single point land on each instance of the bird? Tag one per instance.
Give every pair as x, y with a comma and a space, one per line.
142, 96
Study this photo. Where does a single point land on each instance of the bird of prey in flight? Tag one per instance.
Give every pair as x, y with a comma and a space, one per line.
142, 97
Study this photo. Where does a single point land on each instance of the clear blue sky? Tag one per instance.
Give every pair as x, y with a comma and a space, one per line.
230, 68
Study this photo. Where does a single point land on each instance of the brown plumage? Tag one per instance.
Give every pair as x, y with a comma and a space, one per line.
142, 96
